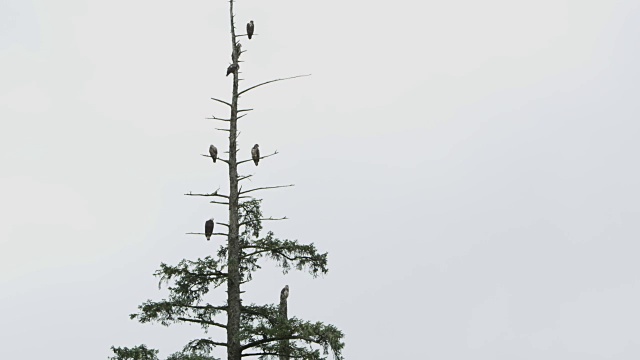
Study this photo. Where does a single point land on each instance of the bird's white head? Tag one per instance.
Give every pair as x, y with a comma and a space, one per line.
211, 219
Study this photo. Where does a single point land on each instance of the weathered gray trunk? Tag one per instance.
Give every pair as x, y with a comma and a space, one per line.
233, 283
284, 344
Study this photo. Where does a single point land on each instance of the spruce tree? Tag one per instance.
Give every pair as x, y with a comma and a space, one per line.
253, 330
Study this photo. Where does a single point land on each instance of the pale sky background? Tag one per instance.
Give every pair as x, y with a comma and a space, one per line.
470, 166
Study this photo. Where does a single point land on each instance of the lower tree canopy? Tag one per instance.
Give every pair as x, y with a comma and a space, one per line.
262, 329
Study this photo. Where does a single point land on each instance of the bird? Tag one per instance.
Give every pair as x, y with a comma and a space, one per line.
250, 28
208, 228
213, 151
232, 69
255, 154
284, 293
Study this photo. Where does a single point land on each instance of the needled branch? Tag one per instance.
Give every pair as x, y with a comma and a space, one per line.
288, 253
203, 345
280, 337
140, 352
212, 323
259, 354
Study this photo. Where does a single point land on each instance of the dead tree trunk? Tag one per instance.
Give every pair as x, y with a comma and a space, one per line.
234, 278
282, 309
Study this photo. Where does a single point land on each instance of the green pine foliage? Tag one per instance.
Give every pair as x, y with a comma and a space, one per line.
189, 282
139, 352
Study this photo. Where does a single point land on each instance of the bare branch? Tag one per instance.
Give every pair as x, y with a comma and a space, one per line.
211, 194
244, 177
221, 159
223, 224
265, 188
216, 118
221, 101
219, 202
271, 81
221, 234
243, 110
262, 157
223, 129
265, 219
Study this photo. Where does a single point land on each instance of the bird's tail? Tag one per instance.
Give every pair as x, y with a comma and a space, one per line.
208, 237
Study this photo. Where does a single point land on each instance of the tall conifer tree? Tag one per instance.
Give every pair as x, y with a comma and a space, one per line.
252, 330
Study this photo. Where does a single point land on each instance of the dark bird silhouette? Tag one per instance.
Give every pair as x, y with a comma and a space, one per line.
213, 151
232, 69
255, 154
208, 228
250, 28
284, 294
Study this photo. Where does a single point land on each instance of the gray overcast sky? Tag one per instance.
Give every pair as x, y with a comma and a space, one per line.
470, 166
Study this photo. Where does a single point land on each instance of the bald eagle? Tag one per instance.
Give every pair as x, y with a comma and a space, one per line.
255, 154
213, 151
284, 294
232, 69
208, 228
250, 28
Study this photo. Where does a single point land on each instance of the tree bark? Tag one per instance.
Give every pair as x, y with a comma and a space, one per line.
233, 283
284, 344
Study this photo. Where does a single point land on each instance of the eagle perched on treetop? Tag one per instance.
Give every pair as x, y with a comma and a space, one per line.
284, 294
